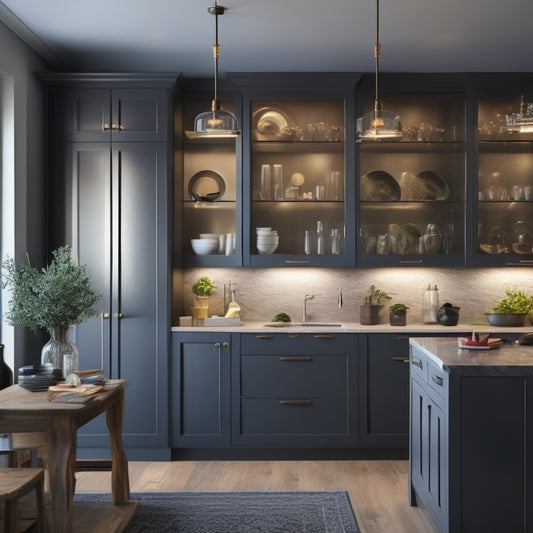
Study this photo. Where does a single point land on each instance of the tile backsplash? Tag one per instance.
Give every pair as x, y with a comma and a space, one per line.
261, 293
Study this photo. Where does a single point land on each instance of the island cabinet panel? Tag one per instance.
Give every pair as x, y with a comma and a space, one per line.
296, 390
471, 440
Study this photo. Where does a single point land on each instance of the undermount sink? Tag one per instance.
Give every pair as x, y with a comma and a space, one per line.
307, 324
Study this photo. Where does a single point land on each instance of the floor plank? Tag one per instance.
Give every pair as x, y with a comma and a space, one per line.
377, 489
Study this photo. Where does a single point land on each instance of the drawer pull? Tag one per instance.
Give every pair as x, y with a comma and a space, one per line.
295, 358
295, 262
418, 363
222, 344
438, 380
264, 336
323, 336
401, 359
295, 402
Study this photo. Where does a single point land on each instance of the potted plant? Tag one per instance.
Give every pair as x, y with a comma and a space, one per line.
398, 314
512, 310
373, 301
54, 298
203, 289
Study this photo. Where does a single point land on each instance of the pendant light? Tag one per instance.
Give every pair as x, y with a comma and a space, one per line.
217, 122
378, 124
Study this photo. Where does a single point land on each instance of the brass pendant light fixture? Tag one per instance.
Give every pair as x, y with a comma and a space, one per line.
378, 124
216, 122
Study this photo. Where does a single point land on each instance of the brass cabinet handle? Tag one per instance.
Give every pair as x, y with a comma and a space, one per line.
105, 126
400, 359
295, 402
263, 336
114, 126
418, 363
295, 358
296, 262
411, 262
106, 316
323, 336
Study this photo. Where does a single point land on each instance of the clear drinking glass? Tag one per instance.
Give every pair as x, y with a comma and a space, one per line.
279, 188
266, 182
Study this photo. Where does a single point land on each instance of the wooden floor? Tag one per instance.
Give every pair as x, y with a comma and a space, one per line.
377, 489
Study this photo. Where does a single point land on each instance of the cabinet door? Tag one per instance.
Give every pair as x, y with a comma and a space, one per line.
81, 114
384, 390
298, 170
139, 318
200, 381
412, 192
417, 443
210, 195
504, 178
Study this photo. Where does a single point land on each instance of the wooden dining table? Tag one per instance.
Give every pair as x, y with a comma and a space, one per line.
32, 413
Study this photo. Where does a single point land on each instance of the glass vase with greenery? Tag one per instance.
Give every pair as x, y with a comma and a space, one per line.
54, 297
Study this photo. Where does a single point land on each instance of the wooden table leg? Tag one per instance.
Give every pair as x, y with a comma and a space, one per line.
120, 483
61, 449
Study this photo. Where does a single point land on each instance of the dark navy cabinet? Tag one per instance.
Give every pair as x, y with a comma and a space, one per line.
110, 183
200, 390
295, 390
383, 380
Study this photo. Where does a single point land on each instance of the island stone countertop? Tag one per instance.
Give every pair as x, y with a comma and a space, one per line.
508, 358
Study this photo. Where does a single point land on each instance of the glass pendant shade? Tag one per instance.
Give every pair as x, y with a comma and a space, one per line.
216, 123
379, 124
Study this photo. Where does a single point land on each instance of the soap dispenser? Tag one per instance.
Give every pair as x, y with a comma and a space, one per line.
431, 304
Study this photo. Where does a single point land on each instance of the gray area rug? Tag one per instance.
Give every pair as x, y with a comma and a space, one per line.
239, 512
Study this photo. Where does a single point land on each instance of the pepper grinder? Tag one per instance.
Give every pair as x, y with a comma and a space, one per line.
431, 304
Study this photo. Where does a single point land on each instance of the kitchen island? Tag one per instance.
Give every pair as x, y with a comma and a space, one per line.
471, 435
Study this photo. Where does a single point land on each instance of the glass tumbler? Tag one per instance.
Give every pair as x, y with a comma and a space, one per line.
279, 190
266, 184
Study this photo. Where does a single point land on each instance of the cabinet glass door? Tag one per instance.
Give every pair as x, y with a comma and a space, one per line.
412, 191
297, 176
505, 181
211, 221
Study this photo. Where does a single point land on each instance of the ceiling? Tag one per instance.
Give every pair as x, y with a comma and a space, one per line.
276, 35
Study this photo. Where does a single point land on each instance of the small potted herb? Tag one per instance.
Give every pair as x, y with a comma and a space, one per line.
512, 310
373, 301
203, 289
398, 314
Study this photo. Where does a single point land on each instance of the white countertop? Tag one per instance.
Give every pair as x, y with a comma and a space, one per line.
354, 327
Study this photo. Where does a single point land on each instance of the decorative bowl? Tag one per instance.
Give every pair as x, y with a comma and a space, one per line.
204, 246
502, 320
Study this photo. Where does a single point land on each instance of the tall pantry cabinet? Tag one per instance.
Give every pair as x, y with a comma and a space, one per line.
110, 146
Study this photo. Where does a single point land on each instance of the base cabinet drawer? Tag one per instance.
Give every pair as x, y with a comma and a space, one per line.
266, 416
294, 375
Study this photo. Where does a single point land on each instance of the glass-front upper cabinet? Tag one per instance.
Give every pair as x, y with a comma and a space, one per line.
505, 174
209, 194
300, 173
412, 190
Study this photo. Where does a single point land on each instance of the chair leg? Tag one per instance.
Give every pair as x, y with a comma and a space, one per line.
41, 506
11, 519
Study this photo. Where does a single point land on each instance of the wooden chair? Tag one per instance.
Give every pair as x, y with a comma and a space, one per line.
16, 483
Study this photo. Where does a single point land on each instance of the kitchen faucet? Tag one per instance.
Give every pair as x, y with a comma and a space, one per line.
308, 297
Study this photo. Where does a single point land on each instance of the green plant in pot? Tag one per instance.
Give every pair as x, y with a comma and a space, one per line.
203, 288
512, 310
373, 301
55, 297
398, 314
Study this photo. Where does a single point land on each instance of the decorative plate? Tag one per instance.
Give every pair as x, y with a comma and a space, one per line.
379, 186
207, 186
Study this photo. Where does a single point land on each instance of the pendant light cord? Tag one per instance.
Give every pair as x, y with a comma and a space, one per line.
377, 53
216, 10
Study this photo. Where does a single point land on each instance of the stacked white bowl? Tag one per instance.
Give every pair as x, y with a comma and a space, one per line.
267, 240
207, 244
